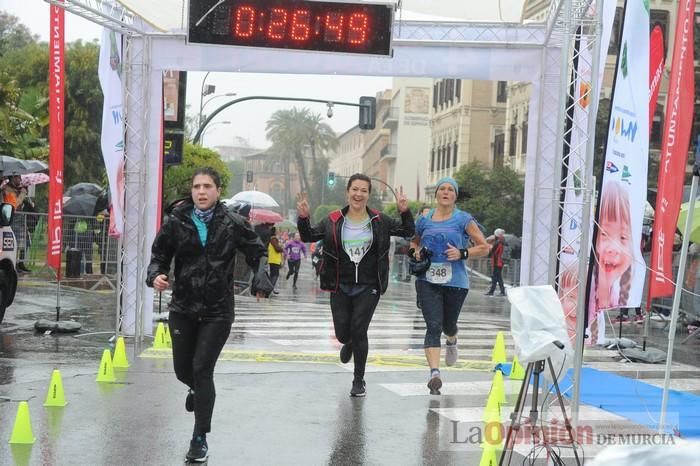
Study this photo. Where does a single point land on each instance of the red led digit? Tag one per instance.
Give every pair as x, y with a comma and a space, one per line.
301, 29
244, 23
278, 23
334, 27
357, 28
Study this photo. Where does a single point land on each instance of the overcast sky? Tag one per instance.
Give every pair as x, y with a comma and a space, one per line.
248, 118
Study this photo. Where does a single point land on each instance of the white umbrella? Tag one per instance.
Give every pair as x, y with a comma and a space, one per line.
255, 199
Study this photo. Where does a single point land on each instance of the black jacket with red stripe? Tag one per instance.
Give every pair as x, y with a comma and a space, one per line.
330, 229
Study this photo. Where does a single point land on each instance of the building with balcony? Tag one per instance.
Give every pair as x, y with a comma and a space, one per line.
467, 120
662, 13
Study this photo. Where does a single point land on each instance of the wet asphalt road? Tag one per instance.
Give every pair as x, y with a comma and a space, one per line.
270, 410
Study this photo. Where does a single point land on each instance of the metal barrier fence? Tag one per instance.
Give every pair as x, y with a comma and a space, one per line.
88, 249
511, 269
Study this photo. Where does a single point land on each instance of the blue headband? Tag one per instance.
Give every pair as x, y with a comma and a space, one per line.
447, 179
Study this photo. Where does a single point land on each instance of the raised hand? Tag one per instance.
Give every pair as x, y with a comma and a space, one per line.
303, 206
402, 200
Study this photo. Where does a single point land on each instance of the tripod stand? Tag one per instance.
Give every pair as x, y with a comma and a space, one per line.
535, 368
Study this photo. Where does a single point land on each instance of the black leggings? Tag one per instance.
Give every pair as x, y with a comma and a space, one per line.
196, 347
352, 314
293, 269
274, 273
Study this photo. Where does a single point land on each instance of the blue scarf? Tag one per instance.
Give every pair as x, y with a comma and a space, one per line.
204, 215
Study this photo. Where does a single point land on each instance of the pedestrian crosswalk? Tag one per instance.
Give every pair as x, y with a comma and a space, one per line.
288, 323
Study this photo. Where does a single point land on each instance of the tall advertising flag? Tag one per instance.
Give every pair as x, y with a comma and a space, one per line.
56, 126
574, 152
656, 69
618, 270
112, 143
674, 153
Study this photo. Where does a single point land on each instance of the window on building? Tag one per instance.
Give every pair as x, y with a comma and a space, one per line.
441, 99
499, 145
523, 142
435, 96
458, 84
660, 17
448, 155
450, 90
614, 45
432, 159
657, 127
501, 91
444, 158
512, 144
454, 154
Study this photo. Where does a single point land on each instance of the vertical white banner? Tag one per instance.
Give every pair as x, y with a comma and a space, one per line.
572, 210
112, 143
618, 268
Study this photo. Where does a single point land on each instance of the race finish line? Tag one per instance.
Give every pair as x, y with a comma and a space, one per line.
324, 358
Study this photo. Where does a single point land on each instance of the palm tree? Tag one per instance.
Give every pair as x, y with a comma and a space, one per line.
291, 131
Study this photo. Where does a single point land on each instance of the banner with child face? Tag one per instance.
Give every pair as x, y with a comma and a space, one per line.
617, 278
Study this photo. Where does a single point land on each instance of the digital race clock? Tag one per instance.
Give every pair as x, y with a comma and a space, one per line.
293, 24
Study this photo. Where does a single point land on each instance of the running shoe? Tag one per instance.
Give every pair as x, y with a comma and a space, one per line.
358, 388
639, 319
199, 450
434, 385
189, 401
451, 353
346, 353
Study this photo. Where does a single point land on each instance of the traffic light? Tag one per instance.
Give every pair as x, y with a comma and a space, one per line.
249, 176
368, 112
331, 179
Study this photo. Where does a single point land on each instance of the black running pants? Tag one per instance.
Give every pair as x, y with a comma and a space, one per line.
196, 347
352, 314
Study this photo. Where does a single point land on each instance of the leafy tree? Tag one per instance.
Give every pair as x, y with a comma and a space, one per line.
494, 198
292, 132
413, 206
13, 35
178, 178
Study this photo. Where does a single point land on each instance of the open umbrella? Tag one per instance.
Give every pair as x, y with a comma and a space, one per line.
695, 226
82, 204
11, 166
31, 179
257, 199
83, 188
36, 166
264, 216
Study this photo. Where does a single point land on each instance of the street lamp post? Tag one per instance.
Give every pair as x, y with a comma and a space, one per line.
201, 139
210, 89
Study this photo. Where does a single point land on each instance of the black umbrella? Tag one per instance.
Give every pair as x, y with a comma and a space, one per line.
82, 204
84, 188
36, 166
11, 166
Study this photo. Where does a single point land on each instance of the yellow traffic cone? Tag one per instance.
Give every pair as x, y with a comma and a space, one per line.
22, 430
120, 361
498, 355
106, 373
55, 396
168, 340
498, 387
492, 411
488, 456
159, 340
516, 370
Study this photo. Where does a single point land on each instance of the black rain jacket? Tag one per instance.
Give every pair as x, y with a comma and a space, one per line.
329, 230
203, 285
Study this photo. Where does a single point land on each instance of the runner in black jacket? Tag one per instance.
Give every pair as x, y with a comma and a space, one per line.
202, 236
355, 266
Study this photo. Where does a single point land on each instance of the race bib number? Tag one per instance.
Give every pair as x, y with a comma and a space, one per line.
356, 253
439, 273
8, 241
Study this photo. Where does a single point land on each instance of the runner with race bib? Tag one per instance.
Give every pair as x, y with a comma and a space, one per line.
444, 231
